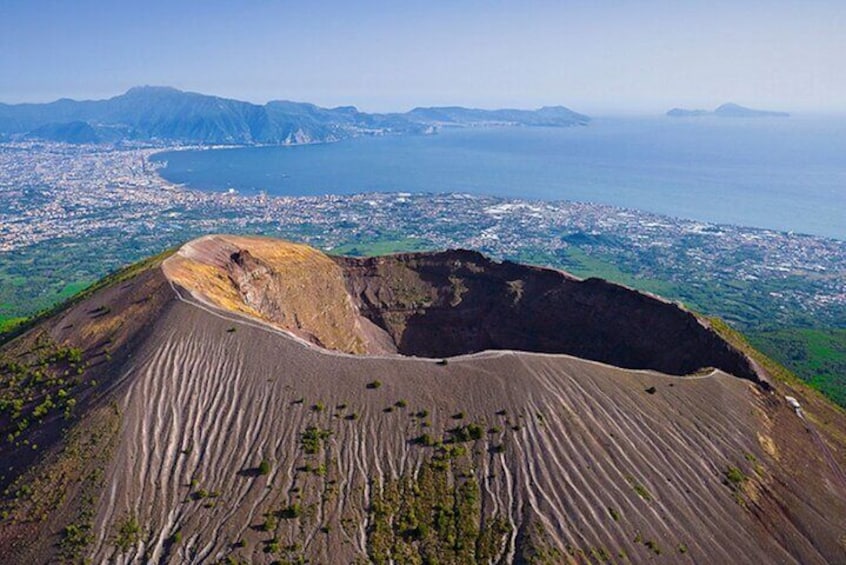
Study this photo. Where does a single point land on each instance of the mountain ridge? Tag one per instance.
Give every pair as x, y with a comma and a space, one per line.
727, 110
166, 114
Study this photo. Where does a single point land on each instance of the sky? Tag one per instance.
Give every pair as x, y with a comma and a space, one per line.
594, 56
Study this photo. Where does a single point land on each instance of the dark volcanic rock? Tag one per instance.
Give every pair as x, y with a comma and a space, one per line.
458, 302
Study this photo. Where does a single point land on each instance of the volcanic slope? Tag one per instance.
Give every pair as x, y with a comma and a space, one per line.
252, 400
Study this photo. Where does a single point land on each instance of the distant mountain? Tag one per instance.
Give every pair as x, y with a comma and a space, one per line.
729, 110
736, 111
69, 132
550, 116
167, 114
163, 114
685, 113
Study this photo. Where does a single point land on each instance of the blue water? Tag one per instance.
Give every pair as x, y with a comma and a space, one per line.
786, 174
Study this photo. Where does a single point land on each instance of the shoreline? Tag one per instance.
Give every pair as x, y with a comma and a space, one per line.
734, 192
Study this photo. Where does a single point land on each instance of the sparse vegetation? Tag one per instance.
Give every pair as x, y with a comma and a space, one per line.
466, 433
40, 384
270, 522
291, 511
36, 494
374, 384
475, 431
75, 538
425, 440
653, 546
641, 490
312, 439
734, 476
128, 534
272, 546
434, 517
264, 467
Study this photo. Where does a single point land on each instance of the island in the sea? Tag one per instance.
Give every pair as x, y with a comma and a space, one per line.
729, 110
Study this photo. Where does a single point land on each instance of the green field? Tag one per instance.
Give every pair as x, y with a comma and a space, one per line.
383, 246
817, 355
73, 288
9, 322
579, 263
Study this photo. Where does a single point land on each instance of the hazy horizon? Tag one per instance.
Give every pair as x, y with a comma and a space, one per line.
612, 113
600, 58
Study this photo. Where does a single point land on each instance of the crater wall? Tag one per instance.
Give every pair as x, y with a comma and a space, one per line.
459, 302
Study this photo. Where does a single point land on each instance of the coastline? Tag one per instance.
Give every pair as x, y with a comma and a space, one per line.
738, 185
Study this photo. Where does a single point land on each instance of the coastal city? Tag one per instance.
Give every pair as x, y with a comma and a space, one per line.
71, 213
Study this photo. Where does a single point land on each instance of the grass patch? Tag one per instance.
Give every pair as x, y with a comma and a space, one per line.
128, 533
641, 490
312, 439
734, 476
383, 246
291, 512
8, 323
73, 288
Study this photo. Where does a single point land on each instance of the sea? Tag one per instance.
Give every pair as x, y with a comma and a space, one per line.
787, 174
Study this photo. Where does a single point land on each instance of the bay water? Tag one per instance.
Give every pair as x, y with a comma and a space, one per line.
784, 174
